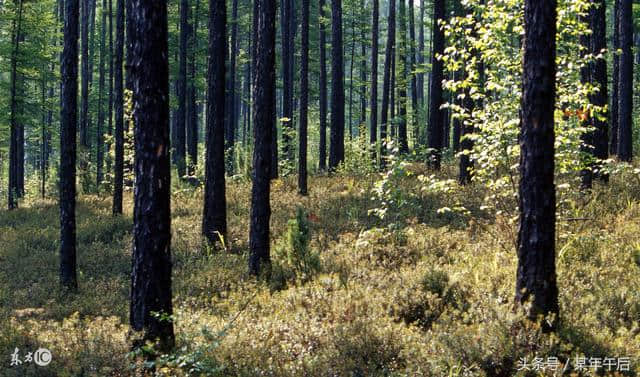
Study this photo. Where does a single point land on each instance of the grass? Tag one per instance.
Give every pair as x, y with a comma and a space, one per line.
430, 295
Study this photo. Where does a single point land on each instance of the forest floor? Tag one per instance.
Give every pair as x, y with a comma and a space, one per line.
422, 293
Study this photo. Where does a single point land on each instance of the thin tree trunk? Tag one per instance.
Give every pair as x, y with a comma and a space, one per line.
84, 115
363, 71
615, 91
180, 139
402, 80
231, 122
420, 78
336, 148
287, 76
536, 274
214, 218
192, 113
119, 111
68, 121
322, 164
386, 81
14, 147
111, 89
436, 116
264, 83
304, 100
414, 79
373, 128
625, 99
351, 64
99, 146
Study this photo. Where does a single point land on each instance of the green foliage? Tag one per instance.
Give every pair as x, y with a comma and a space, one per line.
294, 254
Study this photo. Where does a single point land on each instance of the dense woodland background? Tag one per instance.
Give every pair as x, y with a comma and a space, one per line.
339, 188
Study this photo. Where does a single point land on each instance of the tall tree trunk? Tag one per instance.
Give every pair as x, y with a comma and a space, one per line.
119, 111
151, 270
351, 64
414, 79
14, 146
111, 89
402, 80
420, 76
84, 115
599, 77
536, 274
231, 122
214, 218
99, 146
180, 139
322, 164
192, 113
336, 148
386, 80
363, 70
286, 20
373, 127
304, 100
436, 116
615, 77
625, 99
264, 84
68, 121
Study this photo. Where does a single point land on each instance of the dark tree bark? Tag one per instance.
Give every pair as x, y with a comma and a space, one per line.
613, 146
536, 274
180, 137
214, 218
304, 100
386, 80
287, 25
351, 65
68, 121
111, 89
99, 143
151, 270
230, 118
625, 95
363, 70
414, 79
402, 80
373, 127
420, 76
599, 78
322, 164
436, 115
14, 147
336, 148
192, 113
84, 115
119, 111
264, 83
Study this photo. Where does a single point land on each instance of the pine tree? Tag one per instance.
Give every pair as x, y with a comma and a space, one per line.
536, 274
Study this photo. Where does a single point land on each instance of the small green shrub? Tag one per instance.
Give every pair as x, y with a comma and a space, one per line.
294, 253
422, 303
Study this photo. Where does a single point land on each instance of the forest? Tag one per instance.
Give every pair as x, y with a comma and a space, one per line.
297, 188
